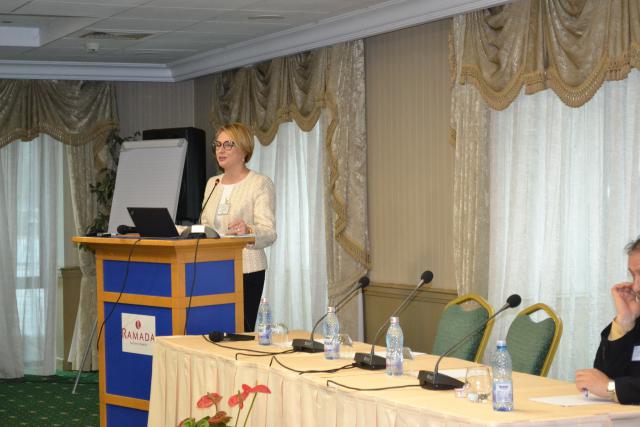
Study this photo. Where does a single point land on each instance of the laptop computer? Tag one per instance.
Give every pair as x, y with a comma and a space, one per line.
153, 222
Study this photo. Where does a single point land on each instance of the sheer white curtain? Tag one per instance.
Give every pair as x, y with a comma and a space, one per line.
296, 279
30, 188
565, 199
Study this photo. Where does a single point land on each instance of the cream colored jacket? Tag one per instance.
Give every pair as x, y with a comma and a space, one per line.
252, 200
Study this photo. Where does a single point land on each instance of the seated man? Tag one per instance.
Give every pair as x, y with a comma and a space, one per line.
617, 363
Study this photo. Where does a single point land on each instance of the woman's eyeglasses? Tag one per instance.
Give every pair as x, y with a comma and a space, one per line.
227, 145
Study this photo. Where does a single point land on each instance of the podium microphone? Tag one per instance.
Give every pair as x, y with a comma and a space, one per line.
311, 346
370, 360
198, 230
434, 380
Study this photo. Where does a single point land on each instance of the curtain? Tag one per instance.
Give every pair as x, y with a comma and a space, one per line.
81, 115
30, 210
470, 133
300, 88
569, 46
82, 173
73, 112
565, 200
297, 260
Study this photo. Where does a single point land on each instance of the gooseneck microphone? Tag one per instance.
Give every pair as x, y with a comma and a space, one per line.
199, 230
434, 380
311, 346
215, 184
370, 360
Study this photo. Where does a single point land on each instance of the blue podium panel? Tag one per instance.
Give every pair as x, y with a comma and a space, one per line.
212, 277
119, 416
205, 319
129, 374
143, 278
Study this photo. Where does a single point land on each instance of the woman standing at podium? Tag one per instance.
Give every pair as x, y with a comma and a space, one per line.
242, 201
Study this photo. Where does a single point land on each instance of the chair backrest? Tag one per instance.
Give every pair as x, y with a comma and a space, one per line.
533, 345
459, 318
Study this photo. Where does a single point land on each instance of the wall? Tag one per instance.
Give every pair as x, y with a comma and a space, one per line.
410, 176
410, 161
144, 105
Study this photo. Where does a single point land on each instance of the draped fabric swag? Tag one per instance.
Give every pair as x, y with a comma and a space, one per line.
81, 115
299, 87
569, 46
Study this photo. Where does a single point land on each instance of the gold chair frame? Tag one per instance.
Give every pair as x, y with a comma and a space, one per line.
488, 328
557, 333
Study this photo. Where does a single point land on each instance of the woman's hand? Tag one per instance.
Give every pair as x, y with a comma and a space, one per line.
237, 227
627, 304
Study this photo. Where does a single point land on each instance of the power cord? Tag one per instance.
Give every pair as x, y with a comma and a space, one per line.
193, 284
259, 353
312, 371
124, 283
372, 389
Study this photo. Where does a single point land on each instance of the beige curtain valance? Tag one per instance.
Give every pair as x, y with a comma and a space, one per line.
73, 112
273, 92
570, 46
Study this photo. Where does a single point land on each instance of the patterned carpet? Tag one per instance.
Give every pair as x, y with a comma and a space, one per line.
47, 401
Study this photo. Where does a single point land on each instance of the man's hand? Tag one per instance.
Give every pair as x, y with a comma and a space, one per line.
593, 380
627, 306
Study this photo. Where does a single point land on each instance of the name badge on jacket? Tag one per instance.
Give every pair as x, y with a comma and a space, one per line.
635, 357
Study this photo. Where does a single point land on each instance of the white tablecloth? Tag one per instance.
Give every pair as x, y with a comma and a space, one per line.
185, 368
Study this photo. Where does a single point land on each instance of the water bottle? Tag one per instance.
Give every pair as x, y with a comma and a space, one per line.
264, 322
331, 329
502, 383
395, 341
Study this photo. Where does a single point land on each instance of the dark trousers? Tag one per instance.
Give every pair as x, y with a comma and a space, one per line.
253, 283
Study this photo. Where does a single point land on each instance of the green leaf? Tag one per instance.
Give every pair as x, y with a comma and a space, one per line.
204, 422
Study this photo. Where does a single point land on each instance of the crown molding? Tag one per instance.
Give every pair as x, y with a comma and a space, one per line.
84, 71
378, 19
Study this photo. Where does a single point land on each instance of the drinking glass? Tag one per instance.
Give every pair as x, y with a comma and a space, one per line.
407, 361
346, 346
478, 384
280, 335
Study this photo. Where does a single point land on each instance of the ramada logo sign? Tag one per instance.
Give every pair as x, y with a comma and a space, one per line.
135, 336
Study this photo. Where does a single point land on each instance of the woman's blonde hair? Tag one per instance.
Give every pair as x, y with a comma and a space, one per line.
241, 135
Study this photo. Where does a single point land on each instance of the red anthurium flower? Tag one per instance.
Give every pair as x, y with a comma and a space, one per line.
238, 399
208, 400
257, 389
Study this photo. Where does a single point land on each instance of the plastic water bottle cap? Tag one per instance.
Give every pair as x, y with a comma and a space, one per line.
394, 320
331, 309
501, 343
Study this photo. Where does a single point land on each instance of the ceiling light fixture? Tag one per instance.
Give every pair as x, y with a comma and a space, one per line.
266, 17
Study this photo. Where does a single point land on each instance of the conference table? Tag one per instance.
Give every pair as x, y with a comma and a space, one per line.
187, 367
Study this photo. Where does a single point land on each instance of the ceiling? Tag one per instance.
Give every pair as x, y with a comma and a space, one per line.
172, 40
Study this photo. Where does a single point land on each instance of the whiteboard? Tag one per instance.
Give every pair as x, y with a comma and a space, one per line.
149, 175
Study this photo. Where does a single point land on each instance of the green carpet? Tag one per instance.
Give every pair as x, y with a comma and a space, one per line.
47, 401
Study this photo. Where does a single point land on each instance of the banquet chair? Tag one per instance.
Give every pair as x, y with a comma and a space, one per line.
459, 318
532, 344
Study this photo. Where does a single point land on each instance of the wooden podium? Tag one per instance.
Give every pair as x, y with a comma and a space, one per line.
145, 284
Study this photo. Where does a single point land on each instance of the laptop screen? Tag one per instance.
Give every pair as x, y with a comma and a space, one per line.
153, 222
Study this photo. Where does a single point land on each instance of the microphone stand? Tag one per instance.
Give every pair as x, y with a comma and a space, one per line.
434, 380
312, 346
370, 360
198, 231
